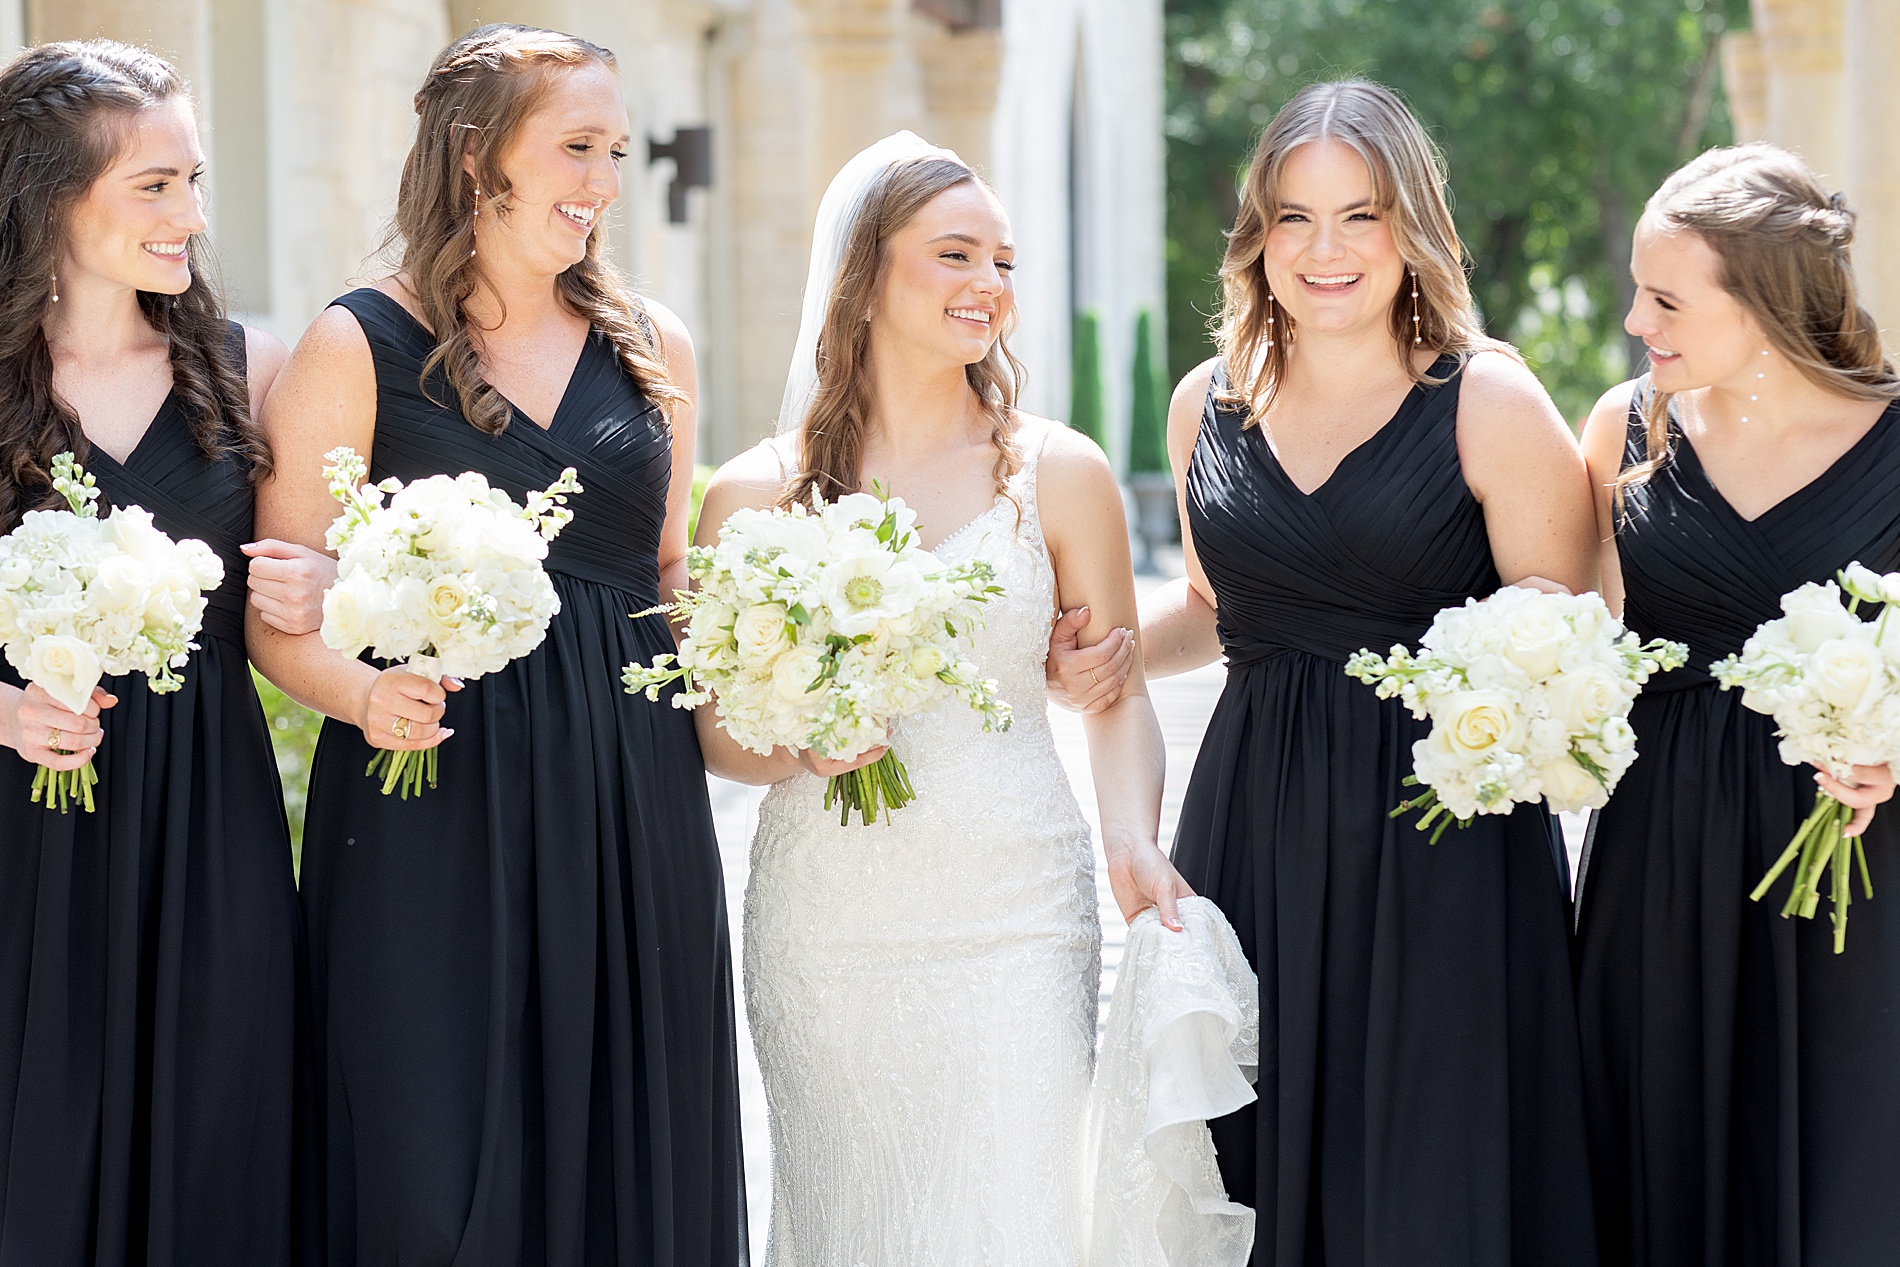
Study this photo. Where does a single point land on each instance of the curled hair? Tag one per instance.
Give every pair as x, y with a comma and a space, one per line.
1782, 245
1408, 182
472, 105
66, 115
831, 437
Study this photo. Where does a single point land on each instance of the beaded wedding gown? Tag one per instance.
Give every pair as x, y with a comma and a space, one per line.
923, 992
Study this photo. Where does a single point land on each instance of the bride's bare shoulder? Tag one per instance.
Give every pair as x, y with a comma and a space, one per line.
751, 480
1073, 475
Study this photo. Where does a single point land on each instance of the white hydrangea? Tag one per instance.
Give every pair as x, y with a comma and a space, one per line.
83, 598
816, 629
1528, 695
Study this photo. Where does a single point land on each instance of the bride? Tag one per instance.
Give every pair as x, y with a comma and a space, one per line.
923, 992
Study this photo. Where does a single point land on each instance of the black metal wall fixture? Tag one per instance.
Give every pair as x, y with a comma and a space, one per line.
691, 152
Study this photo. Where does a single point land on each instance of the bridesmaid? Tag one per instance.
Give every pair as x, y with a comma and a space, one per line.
523, 995
149, 951
1358, 458
1743, 1081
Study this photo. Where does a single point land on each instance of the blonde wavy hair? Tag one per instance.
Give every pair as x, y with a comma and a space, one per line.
477, 95
1783, 245
1408, 181
831, 437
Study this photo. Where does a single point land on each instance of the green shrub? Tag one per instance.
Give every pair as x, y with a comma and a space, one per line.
1085, 377
1148, 412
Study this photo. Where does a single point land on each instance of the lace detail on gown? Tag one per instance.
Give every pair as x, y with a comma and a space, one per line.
923, 993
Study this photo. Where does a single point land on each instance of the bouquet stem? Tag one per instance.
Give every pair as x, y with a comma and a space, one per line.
873, 791
1817, 843
1435, 811
63, 787
408, 770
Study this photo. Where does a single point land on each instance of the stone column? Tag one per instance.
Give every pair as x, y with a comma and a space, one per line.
1802, 48
1873, 155
960, 70
177, 30
1745, 84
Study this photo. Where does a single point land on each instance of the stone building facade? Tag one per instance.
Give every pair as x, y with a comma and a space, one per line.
1817, 76
305, 108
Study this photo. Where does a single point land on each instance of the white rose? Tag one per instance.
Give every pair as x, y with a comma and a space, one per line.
121, 583
65, 668
1584, 699
345, 620
1569, 787
1815, 615
1843, 670
761, 634
1476, 722
444, 599
1535, 635
926, 661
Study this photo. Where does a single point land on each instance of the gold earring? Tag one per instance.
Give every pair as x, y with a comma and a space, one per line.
55, 277
472, 220
1269, 321
1416, 337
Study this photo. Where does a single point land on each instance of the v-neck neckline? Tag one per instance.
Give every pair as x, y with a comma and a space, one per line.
516, 411
1407, 405
165, 407
1794, 496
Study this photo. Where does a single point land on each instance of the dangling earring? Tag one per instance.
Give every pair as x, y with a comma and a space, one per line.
473, 220
1269, 321
55, 287
1761, 376
1416, 337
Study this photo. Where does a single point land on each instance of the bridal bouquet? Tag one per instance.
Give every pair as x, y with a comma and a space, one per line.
1831, 681
82, 597
446, 576
1529, 697
815, 630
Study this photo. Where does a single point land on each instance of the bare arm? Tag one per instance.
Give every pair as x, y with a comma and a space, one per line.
325, 397
1604, 435
681, 368
1088, 544
286, 581
1523, 465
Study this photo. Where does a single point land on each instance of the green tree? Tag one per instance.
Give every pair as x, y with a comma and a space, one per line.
1148, 410
1557, 121
1085, 376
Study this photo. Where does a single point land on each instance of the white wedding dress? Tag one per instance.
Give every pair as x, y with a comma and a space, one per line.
923, 993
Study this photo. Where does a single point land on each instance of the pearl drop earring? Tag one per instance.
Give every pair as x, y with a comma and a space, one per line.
472, 221
55, 287
1269, 321
1761, 376
1416, 338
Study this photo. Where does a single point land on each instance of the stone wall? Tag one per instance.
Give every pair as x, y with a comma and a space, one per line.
306, 111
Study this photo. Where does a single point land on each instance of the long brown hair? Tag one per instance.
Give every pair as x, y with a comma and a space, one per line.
1782, 242
479, 92
1408, 182
831, 437
65, 117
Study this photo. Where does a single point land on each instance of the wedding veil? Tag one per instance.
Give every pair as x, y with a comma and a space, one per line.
837, 216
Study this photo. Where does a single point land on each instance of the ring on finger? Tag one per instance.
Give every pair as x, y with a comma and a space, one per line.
1093, 680
400, 727
55, 741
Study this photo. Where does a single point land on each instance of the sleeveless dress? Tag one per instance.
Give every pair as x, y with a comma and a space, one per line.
923, 993
1743, 1080
150, 951
1419, 1085
522, 979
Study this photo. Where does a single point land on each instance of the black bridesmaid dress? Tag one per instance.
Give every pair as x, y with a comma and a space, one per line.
522, 979
1420, 1100
149, 951
1743, 1081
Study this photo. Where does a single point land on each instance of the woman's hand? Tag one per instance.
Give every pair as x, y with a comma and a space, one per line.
1087, 680
825, 768
44, 732
287, 584
1872, 785
403, 711
1142, 877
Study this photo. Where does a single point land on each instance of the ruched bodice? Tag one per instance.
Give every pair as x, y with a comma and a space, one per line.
1419, 1099
522, 978
1743, 1105
1337, 570
614, 436
1694, 570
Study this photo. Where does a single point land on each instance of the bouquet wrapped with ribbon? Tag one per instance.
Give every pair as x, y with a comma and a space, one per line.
444, 574
1529, 697
84, 596
817, 629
